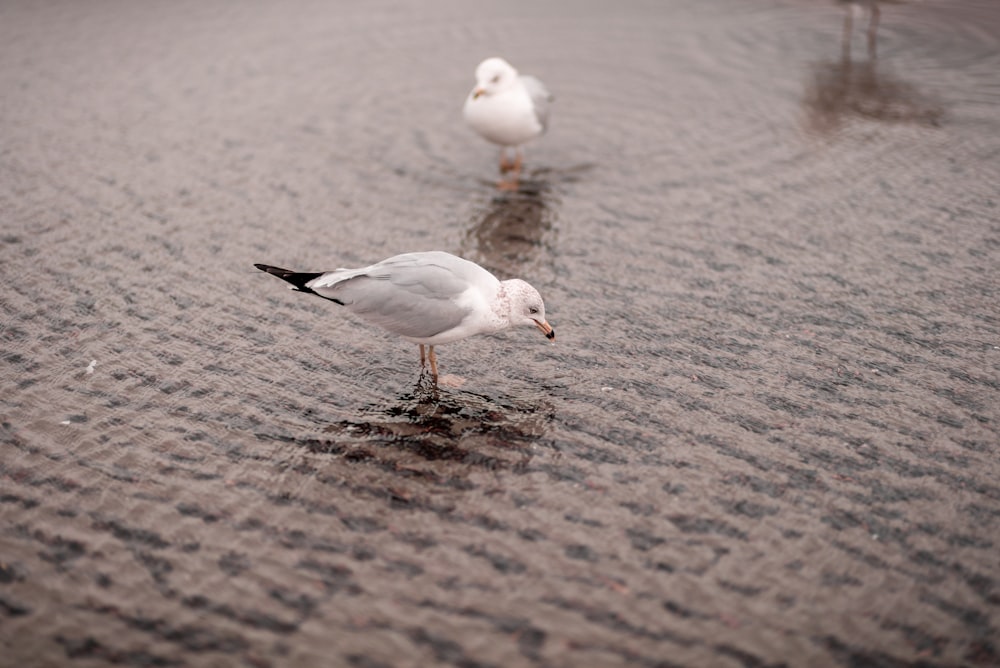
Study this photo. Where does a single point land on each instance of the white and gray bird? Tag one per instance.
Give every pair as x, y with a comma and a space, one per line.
428, 298
507, 108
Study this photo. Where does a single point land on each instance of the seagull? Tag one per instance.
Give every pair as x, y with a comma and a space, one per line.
507, 108
428, 298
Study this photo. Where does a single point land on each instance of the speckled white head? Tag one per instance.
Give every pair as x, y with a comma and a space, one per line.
525, 306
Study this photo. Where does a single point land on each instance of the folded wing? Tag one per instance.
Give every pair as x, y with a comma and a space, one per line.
407, 296
540, 98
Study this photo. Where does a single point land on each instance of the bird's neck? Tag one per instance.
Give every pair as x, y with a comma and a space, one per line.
501, 307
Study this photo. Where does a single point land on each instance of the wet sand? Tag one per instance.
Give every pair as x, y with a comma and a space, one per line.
767, 433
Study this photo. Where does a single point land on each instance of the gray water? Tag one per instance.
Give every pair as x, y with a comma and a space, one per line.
767, 432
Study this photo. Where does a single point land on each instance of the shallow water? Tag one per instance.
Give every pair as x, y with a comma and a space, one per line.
767, 432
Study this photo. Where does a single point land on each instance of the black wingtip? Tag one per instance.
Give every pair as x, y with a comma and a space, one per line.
277, 271
297, 278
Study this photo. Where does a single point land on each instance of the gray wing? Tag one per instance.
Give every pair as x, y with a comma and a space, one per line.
540, 98
408, 298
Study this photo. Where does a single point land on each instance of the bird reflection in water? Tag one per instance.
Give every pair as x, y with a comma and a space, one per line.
843, 89
512, 232
431, 424
874, 16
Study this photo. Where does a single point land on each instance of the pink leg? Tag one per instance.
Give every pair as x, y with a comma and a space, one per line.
504, 165
434, 361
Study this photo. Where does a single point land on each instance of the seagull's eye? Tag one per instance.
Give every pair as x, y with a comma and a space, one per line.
495, 79
533, 310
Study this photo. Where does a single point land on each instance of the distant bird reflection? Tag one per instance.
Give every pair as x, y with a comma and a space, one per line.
512, 231
874, 15
844, 89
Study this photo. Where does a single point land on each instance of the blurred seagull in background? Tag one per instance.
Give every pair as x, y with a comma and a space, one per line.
508, 109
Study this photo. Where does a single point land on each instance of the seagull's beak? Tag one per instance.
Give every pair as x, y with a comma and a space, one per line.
547, 330
477, 92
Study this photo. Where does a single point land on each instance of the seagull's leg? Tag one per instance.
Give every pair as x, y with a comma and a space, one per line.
434, 361
514, 167
422, 359
873, 29
504, 165
518, 161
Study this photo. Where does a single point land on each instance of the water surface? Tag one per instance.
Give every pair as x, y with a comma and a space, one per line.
767, 432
